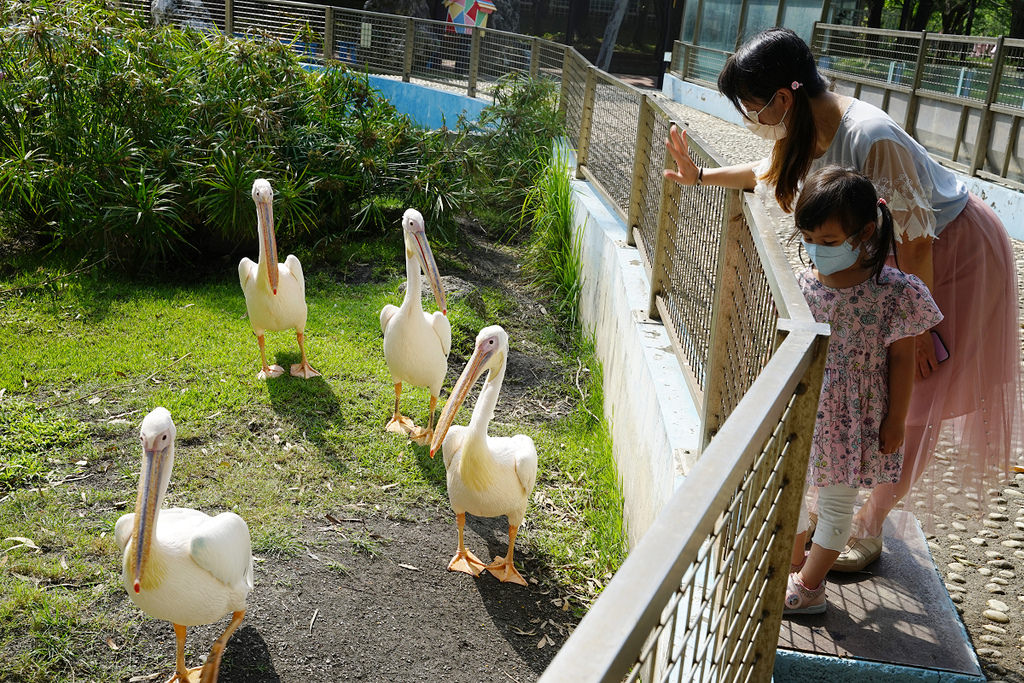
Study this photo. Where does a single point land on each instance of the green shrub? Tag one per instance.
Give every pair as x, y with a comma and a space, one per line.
141, 141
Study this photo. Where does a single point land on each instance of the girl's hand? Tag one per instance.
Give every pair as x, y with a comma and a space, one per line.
890, 435
925, 355
686, 170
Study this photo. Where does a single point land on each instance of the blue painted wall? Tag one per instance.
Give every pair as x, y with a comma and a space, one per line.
425, 106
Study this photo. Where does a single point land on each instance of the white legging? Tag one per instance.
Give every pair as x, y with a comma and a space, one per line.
835, 515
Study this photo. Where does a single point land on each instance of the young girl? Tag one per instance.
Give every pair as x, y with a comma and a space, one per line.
874, 312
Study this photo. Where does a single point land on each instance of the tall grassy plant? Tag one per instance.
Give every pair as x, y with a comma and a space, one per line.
514, 138
554, 248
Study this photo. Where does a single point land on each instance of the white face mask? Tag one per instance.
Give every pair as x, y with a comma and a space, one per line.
752, 120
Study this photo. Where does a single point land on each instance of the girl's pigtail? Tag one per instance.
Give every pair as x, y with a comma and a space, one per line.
884, 241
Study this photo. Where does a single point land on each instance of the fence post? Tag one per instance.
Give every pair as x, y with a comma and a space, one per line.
922, 49
985, 125
534, 57
229, 18
410, 40
474, 60
804, 412
562, 81
587, 119
329, 52
659, 251
726, 283
687, 60
641, 157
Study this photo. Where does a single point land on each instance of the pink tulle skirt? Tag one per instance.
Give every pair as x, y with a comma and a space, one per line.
966, 417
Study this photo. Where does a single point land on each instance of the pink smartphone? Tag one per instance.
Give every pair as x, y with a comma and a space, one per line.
941, 352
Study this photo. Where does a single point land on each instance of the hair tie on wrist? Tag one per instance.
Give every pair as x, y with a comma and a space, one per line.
795, 84
881, 202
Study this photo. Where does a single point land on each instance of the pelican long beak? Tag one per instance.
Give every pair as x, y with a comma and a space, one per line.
426, 259
474, 368
145, 511
266, 219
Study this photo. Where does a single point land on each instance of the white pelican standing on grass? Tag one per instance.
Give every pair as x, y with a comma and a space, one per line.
488, 476
416, 344
181, 565
275, 293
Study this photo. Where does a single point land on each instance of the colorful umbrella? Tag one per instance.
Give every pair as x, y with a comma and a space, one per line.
465, 14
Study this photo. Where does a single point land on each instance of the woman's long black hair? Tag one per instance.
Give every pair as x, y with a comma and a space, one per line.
773, 59
850, 198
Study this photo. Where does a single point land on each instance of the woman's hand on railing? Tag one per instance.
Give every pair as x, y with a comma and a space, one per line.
687, 172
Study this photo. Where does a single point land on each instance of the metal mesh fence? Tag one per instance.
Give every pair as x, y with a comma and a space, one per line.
881, 56
300, 26
692, 245
373, 42
550, 59
715, 618
502, 53
957, 66
612, 144
751, 325
574, 85
1010, 89
649, 181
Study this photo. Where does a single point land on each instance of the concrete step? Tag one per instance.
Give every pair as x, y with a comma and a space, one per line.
892, 622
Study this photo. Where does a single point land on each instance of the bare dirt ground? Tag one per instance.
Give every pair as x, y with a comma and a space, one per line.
394, 614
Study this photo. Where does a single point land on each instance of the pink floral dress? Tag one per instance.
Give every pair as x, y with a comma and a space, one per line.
865, 319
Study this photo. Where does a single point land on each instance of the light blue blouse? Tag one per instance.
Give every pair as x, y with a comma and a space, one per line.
922, 195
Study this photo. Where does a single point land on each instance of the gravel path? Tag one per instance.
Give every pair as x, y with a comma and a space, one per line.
978, 546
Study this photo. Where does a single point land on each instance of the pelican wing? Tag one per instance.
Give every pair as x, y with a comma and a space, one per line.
386, 314
222, 547
123, 529
443, 330
526, 462
246, 271
295, 268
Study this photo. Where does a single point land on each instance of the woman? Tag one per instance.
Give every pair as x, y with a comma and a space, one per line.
968, 367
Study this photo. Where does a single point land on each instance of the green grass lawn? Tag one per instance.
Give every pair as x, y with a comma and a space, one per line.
86, 357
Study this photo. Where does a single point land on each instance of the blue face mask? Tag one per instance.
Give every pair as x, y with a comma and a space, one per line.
832, 259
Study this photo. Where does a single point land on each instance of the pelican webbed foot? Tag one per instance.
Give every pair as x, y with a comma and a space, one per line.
506, 572
466, 562
193, 675
270, 372
421, 436
304, 370
400, 424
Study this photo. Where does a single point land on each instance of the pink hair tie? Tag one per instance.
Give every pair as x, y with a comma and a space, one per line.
795, 84
881, 202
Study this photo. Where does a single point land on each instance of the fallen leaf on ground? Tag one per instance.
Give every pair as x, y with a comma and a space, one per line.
22, 542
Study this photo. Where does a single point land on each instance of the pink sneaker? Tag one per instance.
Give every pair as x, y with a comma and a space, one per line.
802, 600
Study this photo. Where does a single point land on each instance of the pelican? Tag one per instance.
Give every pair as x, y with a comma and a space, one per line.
488, 476
416, 344
275, 293
181, 565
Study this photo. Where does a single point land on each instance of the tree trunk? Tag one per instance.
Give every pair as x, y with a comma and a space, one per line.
923, 14
906, 15
1017, 20
875, 13
611, 34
